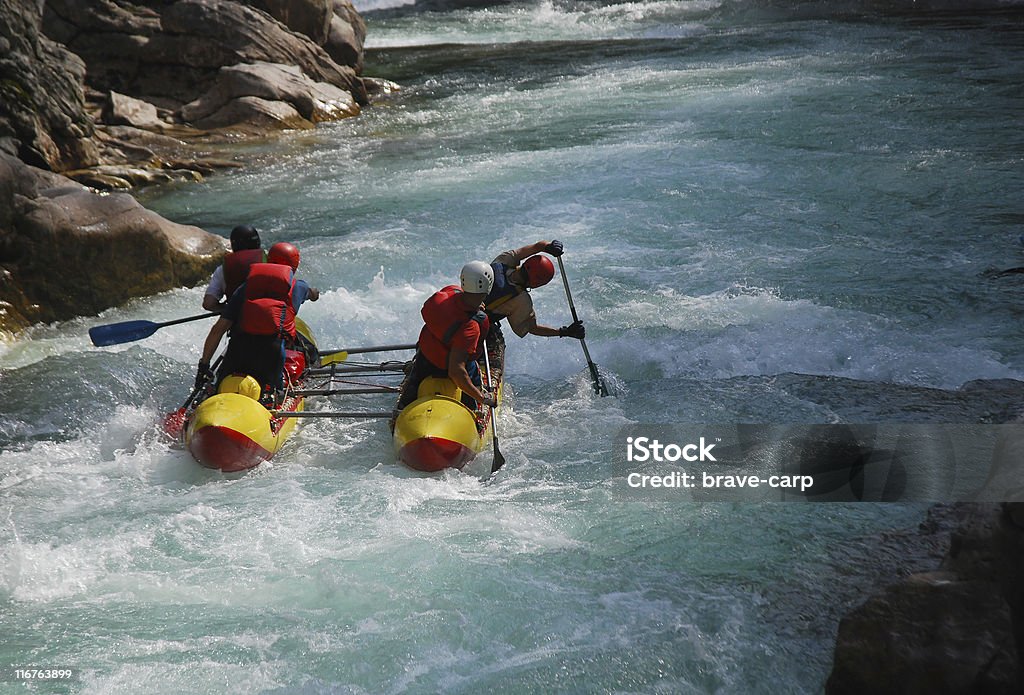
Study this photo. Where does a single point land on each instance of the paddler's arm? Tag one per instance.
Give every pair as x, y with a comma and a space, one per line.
303, 292
533, 328
545, 331
213, 338
526, 251
575, 330
210, 303
204, 375
214, 291
552, 247
458, 374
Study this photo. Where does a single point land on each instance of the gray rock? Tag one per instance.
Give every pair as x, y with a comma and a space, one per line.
932, 633
168, 53
955, 630
151, 57
309, 17
108, 248
314, 101
255, 113
125, 110
173, 49
378, 88
42, 103
347, 36
136, 176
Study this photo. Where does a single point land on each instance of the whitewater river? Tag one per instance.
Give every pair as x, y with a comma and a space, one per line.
769, 216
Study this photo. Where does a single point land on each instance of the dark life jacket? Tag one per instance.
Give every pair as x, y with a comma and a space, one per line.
268, 306
503, 289
444, 315
236, 268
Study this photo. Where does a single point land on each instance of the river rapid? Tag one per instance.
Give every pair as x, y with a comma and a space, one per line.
772, 213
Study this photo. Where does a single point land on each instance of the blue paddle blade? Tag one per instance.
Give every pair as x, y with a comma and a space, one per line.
117, 333
128, 331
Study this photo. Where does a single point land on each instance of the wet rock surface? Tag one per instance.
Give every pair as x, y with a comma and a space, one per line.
116, 95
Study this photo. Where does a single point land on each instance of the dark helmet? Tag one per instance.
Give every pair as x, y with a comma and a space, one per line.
539, 270
244, 237
284, 253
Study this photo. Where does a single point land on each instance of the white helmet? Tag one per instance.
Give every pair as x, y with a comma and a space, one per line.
477, 277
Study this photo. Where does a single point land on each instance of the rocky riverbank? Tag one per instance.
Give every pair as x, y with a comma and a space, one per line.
110, 95
958, 626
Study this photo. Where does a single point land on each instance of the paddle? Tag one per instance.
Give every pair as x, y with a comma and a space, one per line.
130, 331
335, 356
174, 422
499, 460
599, 386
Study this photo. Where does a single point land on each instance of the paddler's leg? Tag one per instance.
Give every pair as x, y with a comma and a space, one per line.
268, 368
421, 369
234, 359
496, 350
306, 346
259, 356
473, 369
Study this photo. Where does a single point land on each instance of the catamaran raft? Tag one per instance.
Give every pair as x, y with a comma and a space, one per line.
234, 429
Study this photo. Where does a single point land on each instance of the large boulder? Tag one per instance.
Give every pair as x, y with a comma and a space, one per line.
108, 112
932, 633
42, 111
309, 17
347, 36
959, 629
313, 101
66, 250
169, 52
121, 109
334, 24
989, 547
252, 114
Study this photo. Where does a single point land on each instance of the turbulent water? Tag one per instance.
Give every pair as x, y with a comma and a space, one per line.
771, 213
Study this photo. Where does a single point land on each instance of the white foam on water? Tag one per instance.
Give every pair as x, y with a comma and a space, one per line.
738, 205
750, 331
543, 21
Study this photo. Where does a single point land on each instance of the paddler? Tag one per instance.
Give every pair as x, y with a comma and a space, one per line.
245, 251
452, 338
260, 316
515, 274
287, 254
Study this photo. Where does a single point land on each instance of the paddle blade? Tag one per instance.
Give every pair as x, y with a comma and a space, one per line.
333, 358
117, 333
499, 460
599, 383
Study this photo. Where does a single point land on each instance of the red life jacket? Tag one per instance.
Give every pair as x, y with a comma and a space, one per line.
236, 268
268, 306
444, 315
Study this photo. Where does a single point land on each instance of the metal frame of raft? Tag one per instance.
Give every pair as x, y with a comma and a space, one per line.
233, 431
435, 431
